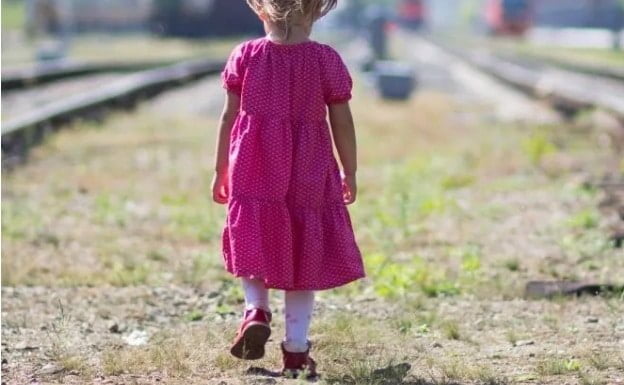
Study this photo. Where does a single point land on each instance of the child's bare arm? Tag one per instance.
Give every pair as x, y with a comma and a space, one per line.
343, 132
228, 115
220, 182
344, 136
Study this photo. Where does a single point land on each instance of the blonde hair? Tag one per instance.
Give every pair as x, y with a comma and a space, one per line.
286, 11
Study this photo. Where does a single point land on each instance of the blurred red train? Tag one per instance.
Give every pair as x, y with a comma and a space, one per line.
508, 17
411, 13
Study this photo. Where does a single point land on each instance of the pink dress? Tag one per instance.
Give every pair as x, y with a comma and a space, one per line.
286, 223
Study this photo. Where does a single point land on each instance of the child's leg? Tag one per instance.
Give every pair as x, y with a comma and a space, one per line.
256, 295
255, 328
299, 306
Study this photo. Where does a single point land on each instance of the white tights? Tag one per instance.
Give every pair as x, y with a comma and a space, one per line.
298, 311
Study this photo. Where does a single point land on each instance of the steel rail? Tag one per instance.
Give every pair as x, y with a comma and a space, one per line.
562, 89
18, 78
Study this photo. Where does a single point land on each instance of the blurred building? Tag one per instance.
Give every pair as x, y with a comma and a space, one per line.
195, 18
191, 18
556, 13
579, 13
48, 16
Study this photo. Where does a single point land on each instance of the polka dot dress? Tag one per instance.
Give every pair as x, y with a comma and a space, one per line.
287, 224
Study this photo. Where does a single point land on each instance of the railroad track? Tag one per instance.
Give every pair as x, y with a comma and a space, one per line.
18, 78
20, 133
569, 89
616, 73
565, 89
567, 92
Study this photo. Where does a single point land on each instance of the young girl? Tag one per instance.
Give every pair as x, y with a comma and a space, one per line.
287, 225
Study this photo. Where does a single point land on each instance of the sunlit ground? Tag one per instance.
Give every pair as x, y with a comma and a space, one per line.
455, 213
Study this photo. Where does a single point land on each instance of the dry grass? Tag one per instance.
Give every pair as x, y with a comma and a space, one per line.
455, 213
131, 47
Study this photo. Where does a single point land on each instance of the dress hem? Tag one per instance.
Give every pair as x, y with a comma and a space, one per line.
296, 288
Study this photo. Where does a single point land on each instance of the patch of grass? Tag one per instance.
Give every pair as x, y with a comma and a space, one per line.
585, 219
20, 220
403, 325
130, 273
196, 220
62, 349
369, 371
224, 361
393, 280
75, 364
111, 363
203, 266
592, 379
486, 376
13, 14
591, 244
195, 315
454, 369
536, 146
157, 255
511, 336
423, 328
110, 210
557, 366
512, 264
603, 360
178, 355
451, 330
470, 258
456, 181
440, 288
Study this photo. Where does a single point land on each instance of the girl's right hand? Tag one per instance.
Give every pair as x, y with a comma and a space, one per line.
349, 189
220, 187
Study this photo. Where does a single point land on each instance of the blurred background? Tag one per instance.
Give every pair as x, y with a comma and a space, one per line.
52, 29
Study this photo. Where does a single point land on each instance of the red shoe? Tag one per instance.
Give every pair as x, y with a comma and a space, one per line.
252, 335
295, 363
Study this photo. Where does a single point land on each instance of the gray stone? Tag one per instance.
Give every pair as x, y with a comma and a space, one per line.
23, 345
50, 368
136, 338
524, 343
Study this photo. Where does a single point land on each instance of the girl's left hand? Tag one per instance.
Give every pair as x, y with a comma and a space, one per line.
220, 187
349, 189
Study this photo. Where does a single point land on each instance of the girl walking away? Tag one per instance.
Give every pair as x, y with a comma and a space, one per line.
287, 224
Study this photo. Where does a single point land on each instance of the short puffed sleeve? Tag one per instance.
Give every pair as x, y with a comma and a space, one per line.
234, 71
337, 83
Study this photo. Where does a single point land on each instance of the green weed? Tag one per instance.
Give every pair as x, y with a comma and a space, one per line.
536, 147
586, 219
195, 315
392, 280
512, 264
557, 366
470, 258
109, 209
